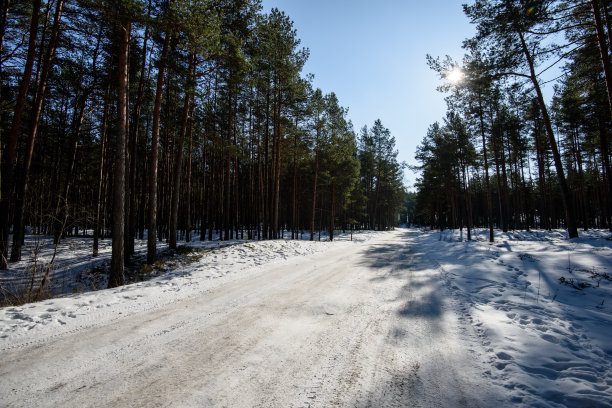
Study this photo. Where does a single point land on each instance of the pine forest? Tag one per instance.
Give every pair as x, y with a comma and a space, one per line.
505, 156
176, 119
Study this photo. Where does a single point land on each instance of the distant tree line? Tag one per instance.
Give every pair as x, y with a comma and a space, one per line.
175, 117
505, 157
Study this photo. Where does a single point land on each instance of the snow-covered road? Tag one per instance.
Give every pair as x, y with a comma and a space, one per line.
368, 324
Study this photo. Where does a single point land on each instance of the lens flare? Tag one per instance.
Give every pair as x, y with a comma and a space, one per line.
455, 75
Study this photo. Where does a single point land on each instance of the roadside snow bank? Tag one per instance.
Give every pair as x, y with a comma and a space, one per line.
216, 263
540, 305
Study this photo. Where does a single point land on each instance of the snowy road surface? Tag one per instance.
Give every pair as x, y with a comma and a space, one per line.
359, 325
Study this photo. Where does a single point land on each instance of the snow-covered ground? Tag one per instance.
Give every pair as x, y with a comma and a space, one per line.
541, 308
74, 276
403, 318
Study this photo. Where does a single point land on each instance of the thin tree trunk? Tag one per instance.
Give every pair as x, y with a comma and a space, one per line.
152, 224
277, 129
178, 169
486, 167
266, 179
544, 218
294, 192
101, 169
314, 190
228, 164
332, 225
10, 162
62, 203
188, 187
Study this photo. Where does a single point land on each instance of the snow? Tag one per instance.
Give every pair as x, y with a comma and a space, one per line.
415, 317
216, 263
546, 342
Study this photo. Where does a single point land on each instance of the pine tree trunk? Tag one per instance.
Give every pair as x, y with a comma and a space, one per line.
605, 60
22, 181
132, 215
544, 217
152, 224
116, 277
277, 130
9, 163
266, 171
294, 191
314, 190
565, 192
505, 209
228, 165
188, 187
178, 169
61, 212
235, 181
486, 167
332, 225
101, 169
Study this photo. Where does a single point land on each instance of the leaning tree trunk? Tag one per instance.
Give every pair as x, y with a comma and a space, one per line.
565, 192
117, 259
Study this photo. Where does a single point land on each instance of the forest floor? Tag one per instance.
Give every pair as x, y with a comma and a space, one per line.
402, 318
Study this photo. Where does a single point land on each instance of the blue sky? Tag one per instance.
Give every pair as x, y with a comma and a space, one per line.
372, 55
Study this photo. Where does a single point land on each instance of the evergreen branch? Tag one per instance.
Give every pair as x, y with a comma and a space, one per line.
580, 25
561, 47
554, 79
510, 73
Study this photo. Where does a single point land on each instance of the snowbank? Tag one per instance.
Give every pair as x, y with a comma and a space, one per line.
211, 265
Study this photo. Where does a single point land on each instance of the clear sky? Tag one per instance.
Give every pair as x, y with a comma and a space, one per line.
372, 55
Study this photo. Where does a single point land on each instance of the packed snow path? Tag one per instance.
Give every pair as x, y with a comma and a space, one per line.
358, 325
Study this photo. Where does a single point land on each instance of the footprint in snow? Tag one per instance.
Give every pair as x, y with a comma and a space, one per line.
501, 365
502, 355
550, 338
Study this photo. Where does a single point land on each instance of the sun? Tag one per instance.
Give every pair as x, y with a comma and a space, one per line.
455, 75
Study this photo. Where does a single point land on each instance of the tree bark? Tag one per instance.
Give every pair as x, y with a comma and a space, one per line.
278, 138
10, 162
605, 61
22, 181
188, 187
101, 169
565, 192
116, 277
